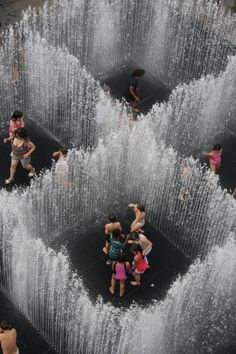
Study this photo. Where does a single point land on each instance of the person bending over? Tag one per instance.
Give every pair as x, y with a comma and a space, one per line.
132, 88
8, 337
22, 149
109, 227
139, 221
142, 241
16, 122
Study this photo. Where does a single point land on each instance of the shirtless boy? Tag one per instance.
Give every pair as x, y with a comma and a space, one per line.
8, 338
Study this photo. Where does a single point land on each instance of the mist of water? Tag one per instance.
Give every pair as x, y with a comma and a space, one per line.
197, 314
175, 40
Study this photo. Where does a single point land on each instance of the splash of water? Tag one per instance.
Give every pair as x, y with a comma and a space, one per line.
196, 315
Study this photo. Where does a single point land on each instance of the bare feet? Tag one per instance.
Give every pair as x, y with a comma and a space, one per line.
32, 173
9, 180
121, 293
111, 290
135, 283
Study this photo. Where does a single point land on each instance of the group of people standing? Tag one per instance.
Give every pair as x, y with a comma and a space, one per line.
117, 244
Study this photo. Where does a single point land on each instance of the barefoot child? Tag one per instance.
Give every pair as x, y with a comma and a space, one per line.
140, 263
112, 225
214, 157
120, 269
139, 221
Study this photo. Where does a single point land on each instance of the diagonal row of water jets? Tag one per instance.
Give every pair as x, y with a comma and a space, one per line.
126, 163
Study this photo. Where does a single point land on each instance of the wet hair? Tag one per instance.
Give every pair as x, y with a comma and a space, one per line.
116, 234
138, 72
121, 258
17, 114
4, 324
134, 236
135, 247
64, 151
141, 207
111, 218
22, 133
217, 147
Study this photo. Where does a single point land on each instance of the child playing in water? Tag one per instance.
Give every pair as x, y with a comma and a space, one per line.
214, 157
139, 221
16, 122
185, 178
120, 269
140, 263
116, 245
142, 241
61, 154
109, 227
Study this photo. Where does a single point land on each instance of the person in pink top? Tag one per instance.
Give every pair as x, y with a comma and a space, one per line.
16, 122
120, 269
140, 263
214, 157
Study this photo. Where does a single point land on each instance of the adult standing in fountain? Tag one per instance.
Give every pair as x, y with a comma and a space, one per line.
132, 88
8, 337
22, 149
139, 221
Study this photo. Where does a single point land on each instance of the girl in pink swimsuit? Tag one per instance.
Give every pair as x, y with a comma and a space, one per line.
16, 122
120, 269
215, 157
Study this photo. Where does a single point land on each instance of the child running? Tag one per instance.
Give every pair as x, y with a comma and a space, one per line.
214, 157
140, 263
16, 122
120, 269
112, 225
139, 221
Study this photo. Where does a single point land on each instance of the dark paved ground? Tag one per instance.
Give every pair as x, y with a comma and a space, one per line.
87, 258
151, 89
